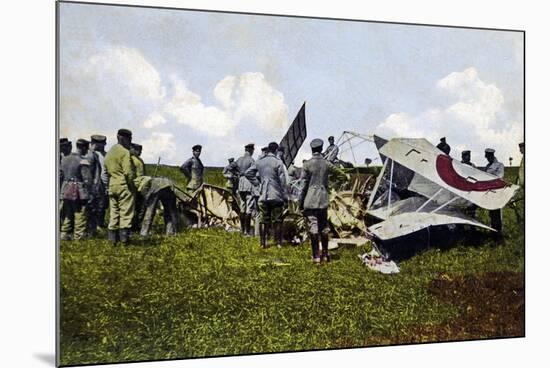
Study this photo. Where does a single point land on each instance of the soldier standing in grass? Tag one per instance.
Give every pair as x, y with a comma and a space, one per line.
231, 174
77, 180
97, 145
245, 190
141, 182
314, 198
193, 169
122, 172
96, 189
496, 168
65, 148
269, 174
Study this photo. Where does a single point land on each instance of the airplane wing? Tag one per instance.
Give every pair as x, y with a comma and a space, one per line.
410, 222
419, 155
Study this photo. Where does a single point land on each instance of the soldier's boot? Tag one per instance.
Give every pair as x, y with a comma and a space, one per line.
112, 235
325, 257
263, 235
315, 248
242, 219
248, 222
124, 235
278, 234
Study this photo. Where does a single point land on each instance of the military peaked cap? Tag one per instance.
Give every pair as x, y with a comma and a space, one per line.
466, 152
264, 149
489, 151
64, 141
98, 138
272, 146
137, 146
249, 146
231, 159
316, 143
125, 133
331, 137
442, 139
197, 147
82, 142
522, 144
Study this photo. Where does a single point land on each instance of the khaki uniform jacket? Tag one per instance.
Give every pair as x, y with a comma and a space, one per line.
120, 168
269, 173
315, 174
243, 163
193, 169
141, 182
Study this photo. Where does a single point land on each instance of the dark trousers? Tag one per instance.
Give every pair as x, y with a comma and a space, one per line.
168, 199
496, 220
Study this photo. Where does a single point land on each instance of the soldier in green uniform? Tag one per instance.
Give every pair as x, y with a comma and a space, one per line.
77, 179
495, 167
231, 174
269, 174
314, 198
193, 169
121, 172
141, 183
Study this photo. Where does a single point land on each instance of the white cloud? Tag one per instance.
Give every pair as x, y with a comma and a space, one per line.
153, 120
159, 145
474, 117
113, 87
187, 108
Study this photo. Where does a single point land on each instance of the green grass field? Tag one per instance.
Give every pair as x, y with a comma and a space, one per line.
211, 292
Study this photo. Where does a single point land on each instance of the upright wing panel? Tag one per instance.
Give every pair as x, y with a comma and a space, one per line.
419, 155
294, 137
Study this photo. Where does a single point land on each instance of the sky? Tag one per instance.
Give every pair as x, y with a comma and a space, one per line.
177, 78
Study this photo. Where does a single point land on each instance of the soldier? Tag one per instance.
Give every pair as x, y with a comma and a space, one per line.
269, 174
96, 188
97, 145
466, 157
331, 154
443, 146
314, 198
193, 169
65, 148
245, 190
141, 183
122, 172
160, 189
263, 153
496, 168
77, 180
231, 173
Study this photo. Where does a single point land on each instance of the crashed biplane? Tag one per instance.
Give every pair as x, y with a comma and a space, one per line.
419, 188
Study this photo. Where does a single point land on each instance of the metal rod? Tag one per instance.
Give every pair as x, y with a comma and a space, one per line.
445, 204
391, 180
376, 185
429, 200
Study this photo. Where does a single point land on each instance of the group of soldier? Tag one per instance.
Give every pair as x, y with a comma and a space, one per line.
263, 187
493, 167
92, 180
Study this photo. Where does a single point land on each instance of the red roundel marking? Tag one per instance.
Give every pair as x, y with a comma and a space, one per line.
447, 173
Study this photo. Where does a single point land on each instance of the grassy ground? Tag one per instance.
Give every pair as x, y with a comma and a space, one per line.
212, 292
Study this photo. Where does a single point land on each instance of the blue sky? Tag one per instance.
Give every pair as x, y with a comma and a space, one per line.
177, 78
